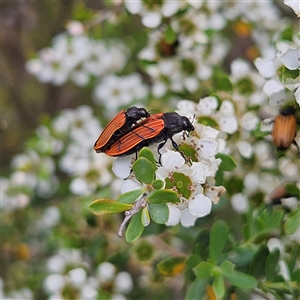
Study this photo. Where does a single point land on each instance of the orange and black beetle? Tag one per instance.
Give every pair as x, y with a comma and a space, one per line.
121, 124
156, 128
284, 128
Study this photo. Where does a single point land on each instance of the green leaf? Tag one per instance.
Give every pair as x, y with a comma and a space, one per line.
202, 243
163, 196
292, 223
158, 184
172, 266
204, 270
258, 264
228, 163
258, 133
208, 121
144, 170
107, 206
145, 216
192, 261
222, 81
197, 289
246, 232
274, 221
271, 264
159, 213
227, 267
241, 256
144, 250
130, 196
218, 238
296, 276
170, 35
245, 86
293, 257
290, 73
292, 189
219, 286
148, 154
135, 228
219, 177
241, 280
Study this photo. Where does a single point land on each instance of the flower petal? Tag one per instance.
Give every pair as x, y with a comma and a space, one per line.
200, 206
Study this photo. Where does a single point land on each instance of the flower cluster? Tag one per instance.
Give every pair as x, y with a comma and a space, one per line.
114, 92
187, 50
281, 72
69, 136
68, 278
77, 58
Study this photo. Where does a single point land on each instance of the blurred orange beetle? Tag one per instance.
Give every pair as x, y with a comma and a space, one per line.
285, 128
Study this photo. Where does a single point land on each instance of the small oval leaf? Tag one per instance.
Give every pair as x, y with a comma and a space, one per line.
144, 170
241, 280
145, 216
158, 184
219, 286
204, 270
107, 206
172, 266
227, 164
163, 196
130, 196
148, 154
135, 228
292, 223
218, 238
159, 213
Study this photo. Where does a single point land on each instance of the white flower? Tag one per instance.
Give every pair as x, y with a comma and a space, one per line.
240, 203
116, 91
294, 4
198, 172
240, 68
213, 192
51, 217
134, 7
123, 283
77, 276
249, 121
275, 91
290, 58
172, 160
208, 147
207, 105
151, 19
53, 283
251, 182
75, 28
55, 264
265, 66
122, 166
187, 219
245, 149
106, 271
200, 206
174, 215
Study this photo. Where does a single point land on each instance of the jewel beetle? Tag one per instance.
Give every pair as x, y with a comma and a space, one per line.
284, 128
154, 129
121, 124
